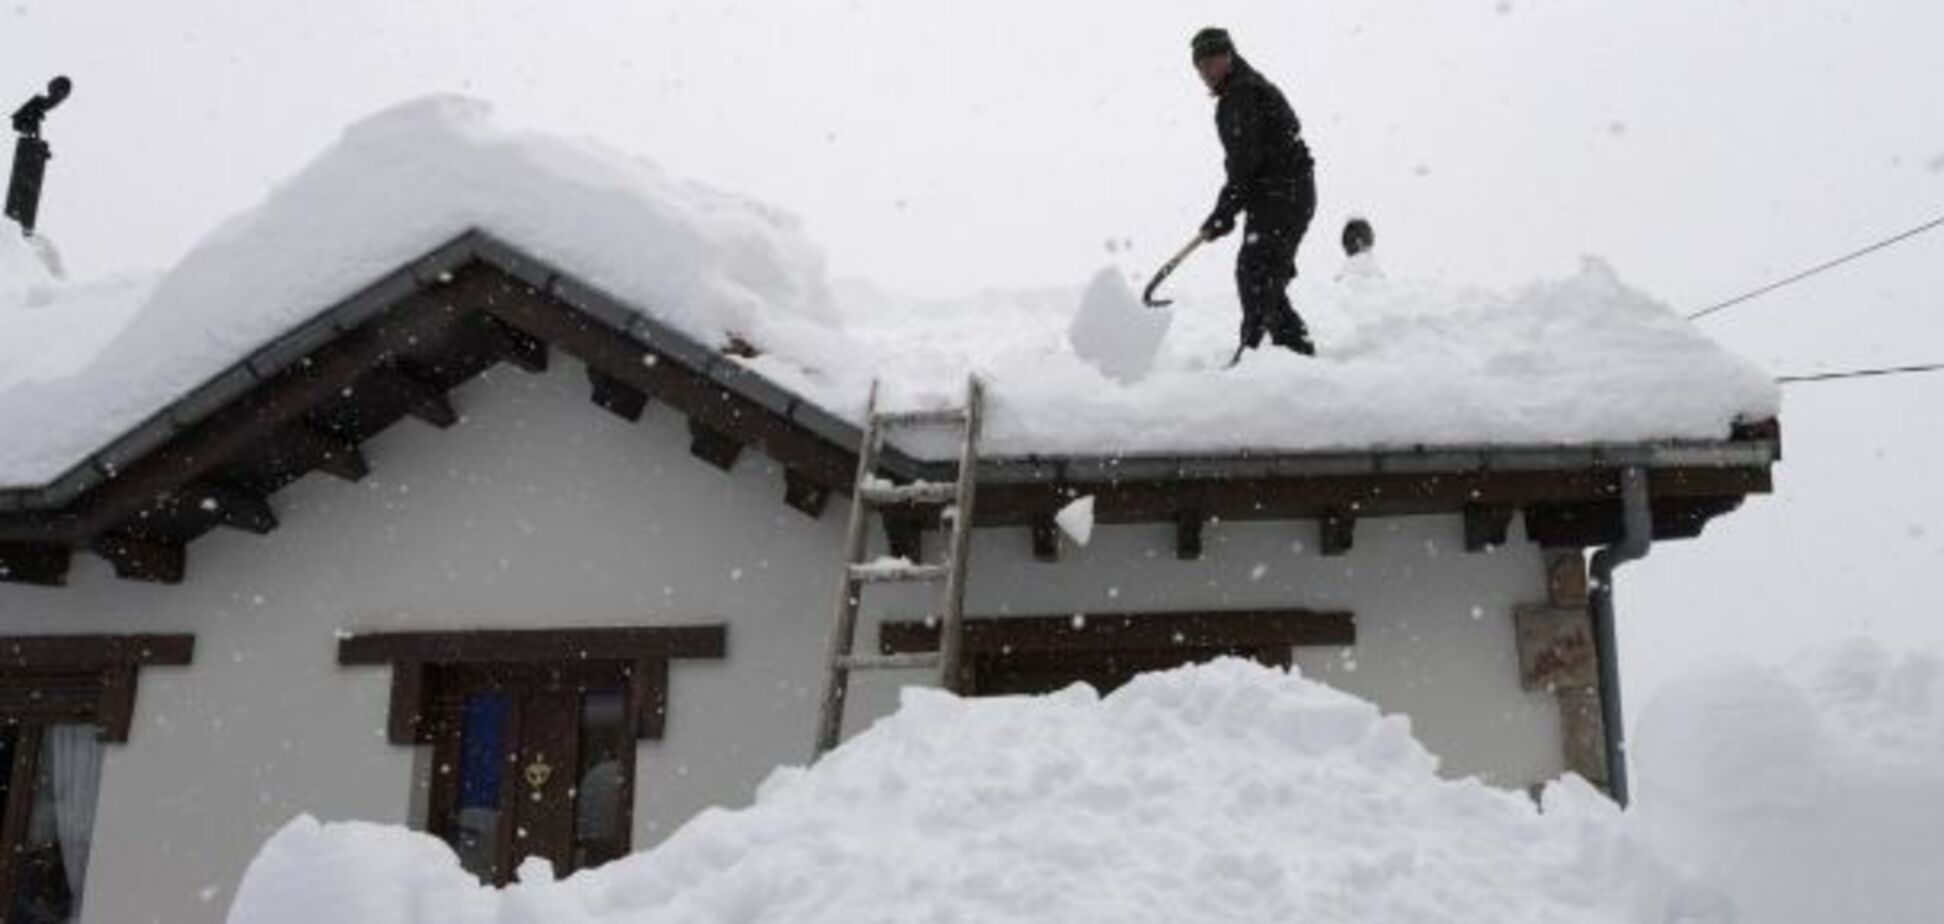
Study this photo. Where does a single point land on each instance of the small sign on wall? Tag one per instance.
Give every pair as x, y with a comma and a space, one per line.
1556, 648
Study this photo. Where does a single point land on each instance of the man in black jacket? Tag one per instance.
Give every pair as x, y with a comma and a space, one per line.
1271, 177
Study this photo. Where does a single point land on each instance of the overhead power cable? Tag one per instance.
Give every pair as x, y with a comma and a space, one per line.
1859, 373
1824, 267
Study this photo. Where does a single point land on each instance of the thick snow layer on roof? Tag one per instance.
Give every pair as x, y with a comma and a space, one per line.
50, 329
1232, 792
1581, 359
394, 187
1576, 360
21, 269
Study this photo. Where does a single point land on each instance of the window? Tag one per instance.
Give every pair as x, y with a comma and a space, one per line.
61, 699
532, 733
1040, 654
532, 760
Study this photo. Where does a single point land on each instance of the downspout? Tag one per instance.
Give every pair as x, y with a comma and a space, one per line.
1636, 537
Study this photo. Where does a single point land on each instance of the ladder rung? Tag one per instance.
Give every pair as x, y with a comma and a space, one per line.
897, 571
920, 492
943, 417
914, 659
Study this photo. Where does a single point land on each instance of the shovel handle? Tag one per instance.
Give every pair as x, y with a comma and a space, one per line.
1160, 275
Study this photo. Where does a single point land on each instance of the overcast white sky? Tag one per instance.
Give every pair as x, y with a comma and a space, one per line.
1702, 146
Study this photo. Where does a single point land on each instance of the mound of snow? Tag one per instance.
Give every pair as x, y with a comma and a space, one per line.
1803, 795
1232, 792
1226, 792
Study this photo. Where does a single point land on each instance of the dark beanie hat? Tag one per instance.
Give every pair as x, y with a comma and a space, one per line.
1210, 42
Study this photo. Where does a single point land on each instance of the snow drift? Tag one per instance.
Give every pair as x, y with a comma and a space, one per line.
1583, 359
1231, 792
1226, 792
1813, 793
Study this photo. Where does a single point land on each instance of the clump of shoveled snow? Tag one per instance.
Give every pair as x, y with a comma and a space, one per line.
1802, 795
393, 188
1076, 519
1226, 792
1113, 332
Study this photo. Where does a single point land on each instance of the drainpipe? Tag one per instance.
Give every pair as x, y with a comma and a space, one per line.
1636, 537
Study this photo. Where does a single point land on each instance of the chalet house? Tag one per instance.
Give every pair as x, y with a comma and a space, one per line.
488, 545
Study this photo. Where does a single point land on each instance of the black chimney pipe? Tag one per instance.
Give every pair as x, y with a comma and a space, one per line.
31, 154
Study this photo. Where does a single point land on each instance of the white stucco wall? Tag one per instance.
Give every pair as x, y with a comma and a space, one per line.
539, 510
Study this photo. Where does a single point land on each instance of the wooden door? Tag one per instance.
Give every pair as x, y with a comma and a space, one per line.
542, 813
532, 762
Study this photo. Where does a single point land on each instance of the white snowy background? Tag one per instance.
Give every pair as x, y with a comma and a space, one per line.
1701, 146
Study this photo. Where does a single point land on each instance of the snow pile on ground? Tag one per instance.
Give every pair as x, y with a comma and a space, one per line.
1232, 792
1228, 792
1577, 360
1805, 795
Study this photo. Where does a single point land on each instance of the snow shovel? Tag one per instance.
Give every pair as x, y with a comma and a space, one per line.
1147, 295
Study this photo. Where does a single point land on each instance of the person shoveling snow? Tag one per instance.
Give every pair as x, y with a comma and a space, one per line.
1272, 177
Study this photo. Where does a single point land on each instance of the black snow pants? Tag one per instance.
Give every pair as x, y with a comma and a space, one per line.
1266, 264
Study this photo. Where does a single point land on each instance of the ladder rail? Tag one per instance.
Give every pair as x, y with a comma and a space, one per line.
951, 642
843, 635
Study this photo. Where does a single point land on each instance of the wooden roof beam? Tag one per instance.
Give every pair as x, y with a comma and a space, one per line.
140, 558
234, 507
804, 494
1338, 528
712, 445
1487, 525
1046, 538
417, 394
1188, 533
34, 563
617, 397
327, 453
518, 347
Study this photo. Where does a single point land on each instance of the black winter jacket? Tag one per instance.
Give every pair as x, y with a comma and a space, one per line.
1267, 160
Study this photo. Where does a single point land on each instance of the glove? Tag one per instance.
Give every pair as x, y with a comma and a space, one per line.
1217, 226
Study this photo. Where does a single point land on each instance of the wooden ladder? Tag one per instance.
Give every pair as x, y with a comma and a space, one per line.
872, 492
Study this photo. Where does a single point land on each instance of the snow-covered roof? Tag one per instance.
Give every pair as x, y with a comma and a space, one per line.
1582, 360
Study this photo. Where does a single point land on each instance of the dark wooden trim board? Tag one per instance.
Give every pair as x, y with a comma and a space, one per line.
1130, 631
639, 653
51, 679
632, 643
1039, 654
